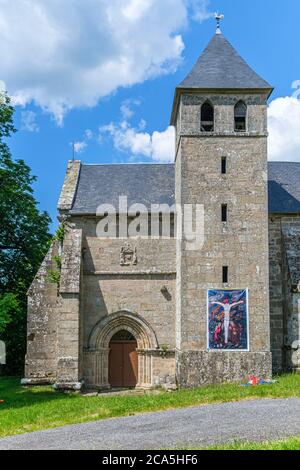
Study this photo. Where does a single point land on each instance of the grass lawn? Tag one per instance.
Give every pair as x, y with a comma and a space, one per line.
292, 443
31, 409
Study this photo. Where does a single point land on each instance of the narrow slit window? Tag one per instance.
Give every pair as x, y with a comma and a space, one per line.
224, 212
240, 114
225, 274
207, 117
224, 165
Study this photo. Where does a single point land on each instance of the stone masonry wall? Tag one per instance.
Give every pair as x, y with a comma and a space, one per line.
291, 248
69, 187
44, 305
201, 367
242, 242
284, 308
53, 330
68, 337
276, 292
138, 288
145, 288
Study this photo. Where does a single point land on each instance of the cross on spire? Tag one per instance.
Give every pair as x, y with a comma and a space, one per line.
219, 17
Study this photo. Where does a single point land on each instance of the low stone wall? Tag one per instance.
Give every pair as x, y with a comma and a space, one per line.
196, 368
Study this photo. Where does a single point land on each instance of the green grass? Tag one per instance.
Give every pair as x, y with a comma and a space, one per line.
32, 409
292, 443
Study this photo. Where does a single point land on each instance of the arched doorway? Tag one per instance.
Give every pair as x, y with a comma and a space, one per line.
123, 360
97, 352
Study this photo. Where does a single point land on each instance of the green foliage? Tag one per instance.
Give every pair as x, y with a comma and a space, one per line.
57, 260
6, 116
164, 350
34, 408
54, 274
24, 237
54, 277
9, 306
292, 443
60, 233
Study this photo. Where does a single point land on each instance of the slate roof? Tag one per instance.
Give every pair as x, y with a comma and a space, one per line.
141, 183
284, 187
221, 67
155, 184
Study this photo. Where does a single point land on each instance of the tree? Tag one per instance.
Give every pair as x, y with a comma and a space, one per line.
9, 306
24, 239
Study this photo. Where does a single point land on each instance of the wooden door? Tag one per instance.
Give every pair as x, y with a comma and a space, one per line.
123, 364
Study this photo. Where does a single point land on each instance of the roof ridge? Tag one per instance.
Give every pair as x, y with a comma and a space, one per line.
127, 163
169, 164
282, 162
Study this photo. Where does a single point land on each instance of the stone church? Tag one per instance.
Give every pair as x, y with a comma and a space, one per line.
149, 311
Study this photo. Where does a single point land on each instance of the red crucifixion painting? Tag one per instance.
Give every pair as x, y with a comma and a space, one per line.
228, 320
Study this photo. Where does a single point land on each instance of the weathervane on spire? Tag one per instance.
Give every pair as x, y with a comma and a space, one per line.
219, 17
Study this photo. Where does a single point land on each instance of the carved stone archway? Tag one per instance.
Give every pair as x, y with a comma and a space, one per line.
96, 354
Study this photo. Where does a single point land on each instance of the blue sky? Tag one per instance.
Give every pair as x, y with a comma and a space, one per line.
62, 97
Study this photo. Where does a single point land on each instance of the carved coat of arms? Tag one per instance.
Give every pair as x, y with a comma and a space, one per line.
128, 255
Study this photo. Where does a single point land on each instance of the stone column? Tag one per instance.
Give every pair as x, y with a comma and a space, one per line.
145, 379
101, 368
68, 331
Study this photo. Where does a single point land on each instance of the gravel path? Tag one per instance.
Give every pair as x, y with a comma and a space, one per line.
202, 426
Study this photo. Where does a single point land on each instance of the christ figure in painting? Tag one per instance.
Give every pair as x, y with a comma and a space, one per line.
227, 308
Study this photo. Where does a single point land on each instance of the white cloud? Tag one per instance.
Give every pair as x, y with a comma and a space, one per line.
126, 108
68, 54
296, 87
2, 91
2, 86
200, 10
88, 134
28, 121
284, 129
79, 147
163, 145
158, 146
284, 135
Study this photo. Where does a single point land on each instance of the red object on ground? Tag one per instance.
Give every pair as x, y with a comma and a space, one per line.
1, 401
253, 380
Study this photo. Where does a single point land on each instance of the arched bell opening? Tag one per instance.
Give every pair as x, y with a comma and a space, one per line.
207, 117
240, 116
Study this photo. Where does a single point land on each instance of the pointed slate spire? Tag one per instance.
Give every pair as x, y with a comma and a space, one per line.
220, 67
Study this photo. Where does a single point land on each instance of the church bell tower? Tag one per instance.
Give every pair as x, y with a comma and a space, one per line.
222, 312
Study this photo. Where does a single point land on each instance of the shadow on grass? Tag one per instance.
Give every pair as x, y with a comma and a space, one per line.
16, 396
